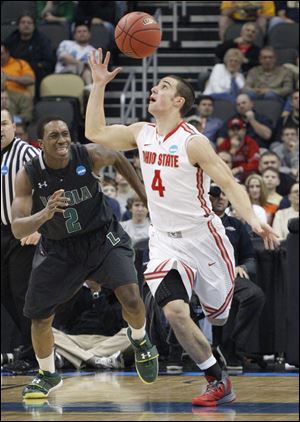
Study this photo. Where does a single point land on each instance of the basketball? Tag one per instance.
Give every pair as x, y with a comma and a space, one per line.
137, 35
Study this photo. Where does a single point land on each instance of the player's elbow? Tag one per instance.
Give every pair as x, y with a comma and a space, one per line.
16, 230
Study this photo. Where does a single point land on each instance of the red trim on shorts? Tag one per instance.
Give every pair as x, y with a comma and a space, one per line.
151, 276
162, 265
222, 249
224, 306
199, 182
189, 272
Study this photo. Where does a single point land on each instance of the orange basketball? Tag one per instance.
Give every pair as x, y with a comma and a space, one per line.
137, 35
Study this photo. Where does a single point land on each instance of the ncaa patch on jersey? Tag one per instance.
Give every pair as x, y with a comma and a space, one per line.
4, 170
80, 170
173, 149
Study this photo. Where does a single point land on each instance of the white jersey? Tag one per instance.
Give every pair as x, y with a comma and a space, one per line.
177, 191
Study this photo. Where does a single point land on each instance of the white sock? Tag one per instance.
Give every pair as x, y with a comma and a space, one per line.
47, 364
138, 333
207, 364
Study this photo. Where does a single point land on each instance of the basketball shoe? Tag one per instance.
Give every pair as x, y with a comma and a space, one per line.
217, 392
146, 358
42, 385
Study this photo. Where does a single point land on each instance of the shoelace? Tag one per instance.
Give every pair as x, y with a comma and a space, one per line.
213, 385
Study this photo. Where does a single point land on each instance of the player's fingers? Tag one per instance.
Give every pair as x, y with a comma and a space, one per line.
107, 58
116, 71
100, 56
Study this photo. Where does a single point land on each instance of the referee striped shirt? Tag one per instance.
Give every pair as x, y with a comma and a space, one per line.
13, 157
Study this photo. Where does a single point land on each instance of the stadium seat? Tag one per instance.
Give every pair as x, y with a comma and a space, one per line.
284, 35
270, 108
100, 37
57, 85
286, 55
6, 30
234, 30
223, 109
11, 10
55, 107
56, 32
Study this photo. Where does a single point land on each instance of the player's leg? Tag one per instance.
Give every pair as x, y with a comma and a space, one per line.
133, 310
172, 296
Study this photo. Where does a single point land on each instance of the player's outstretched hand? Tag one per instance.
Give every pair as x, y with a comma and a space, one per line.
271, 239
99, 67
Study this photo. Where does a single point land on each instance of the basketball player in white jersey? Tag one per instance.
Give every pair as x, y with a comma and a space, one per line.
188, 246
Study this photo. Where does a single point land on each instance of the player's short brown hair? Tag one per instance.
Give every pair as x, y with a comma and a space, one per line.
185, 90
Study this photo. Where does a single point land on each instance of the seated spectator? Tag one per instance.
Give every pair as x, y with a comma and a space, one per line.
288, 151
286, 12
89, 331
245, 43
258, 126
21, 132
271, 159
29, 44
203, 120
231, 340
124, 192
226, 80
55, 11
268, 81
271, 179
16, 78
72, 55
282, 217
243, 149
257, 192
244, 11
289, 118
6, 105
109, 188
138, 226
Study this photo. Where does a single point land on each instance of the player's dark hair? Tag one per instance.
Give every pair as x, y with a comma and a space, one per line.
45, 121
185, 90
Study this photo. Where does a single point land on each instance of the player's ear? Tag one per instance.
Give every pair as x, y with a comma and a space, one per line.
179, 101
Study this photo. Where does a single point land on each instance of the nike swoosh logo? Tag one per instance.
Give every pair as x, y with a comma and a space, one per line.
145, 145
211, 263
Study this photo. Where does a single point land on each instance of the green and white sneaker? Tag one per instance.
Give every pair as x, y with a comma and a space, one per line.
42, 385
146, 358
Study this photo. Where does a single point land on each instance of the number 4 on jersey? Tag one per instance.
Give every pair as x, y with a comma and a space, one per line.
157, 183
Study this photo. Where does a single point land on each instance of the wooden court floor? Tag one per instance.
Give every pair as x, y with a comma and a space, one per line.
115, 396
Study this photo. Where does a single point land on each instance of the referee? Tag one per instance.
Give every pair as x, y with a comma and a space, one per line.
16, 255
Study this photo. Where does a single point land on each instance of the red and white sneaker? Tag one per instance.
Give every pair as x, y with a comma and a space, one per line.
217, 392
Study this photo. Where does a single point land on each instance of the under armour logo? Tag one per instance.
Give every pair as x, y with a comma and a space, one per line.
146, 355
42, 184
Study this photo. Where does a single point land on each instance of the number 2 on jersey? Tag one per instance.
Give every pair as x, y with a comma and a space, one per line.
157, 183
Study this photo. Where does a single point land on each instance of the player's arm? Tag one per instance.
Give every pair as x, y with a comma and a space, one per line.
202, 154
23, 223
117, 137
102, 157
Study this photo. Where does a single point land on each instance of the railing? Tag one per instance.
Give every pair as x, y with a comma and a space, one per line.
129, 110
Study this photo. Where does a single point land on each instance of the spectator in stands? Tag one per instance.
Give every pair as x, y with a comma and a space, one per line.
286, 12
203, 120
6, 105
288, 151
109, 188
271, 179
257, 192
248, 299
268, 81
21, 132
55, 11
289, 118
16, 78
245, 11
29, 44
138, 226
124, 192
271, 159
282, 217
245, 43
258, 126
72, 55
226, 81
243, 149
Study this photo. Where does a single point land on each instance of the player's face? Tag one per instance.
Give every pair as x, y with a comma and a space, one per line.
163, 97
57, 140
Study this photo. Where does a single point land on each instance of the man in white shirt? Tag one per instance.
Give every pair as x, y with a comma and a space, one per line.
282, 217
138, 227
